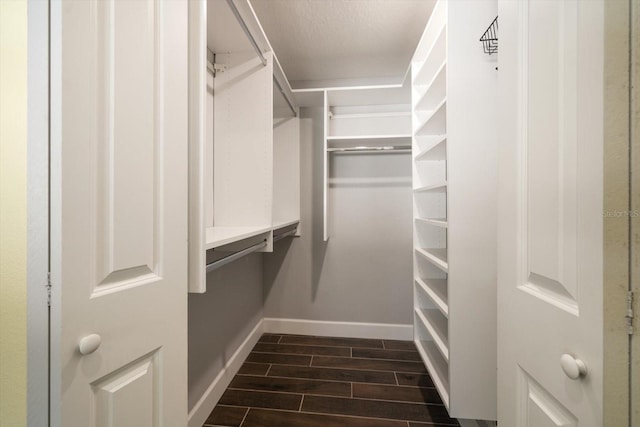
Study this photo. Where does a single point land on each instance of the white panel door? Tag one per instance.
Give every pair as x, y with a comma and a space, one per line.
119, 213
550, 213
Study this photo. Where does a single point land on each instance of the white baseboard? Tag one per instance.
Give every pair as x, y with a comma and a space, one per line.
198, 415
339, 329
476, 423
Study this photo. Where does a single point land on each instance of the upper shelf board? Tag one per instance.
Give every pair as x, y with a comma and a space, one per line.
219, 236
381, 139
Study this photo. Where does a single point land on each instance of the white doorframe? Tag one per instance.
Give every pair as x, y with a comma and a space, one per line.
617, 172
634, 35
38, 214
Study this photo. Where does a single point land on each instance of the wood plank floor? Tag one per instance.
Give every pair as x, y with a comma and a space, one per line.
303, 381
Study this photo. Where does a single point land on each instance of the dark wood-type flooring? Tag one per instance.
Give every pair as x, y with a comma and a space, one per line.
303, 381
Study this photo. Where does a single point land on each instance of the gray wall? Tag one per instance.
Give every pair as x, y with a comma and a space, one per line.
221, 319
364, 272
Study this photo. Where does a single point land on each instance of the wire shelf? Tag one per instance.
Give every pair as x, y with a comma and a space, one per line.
490, 38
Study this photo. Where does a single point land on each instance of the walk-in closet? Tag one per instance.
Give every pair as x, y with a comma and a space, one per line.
331, 213
356, 209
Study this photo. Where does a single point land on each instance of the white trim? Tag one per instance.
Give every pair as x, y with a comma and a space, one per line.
38, 214
339, 329
358, 87
55, 209
198, 415
476, 423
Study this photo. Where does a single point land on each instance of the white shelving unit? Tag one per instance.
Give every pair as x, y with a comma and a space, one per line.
366, 120
454, 181
243, 147
286, 159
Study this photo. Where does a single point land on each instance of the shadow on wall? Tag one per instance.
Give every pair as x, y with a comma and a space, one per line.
221, 318
312, 227
318, 244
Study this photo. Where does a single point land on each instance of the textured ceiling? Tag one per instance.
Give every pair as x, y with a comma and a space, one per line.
323, 40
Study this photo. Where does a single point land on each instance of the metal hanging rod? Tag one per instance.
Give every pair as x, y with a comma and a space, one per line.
243, 24
237, 255
286, 98
386, 149
283, 235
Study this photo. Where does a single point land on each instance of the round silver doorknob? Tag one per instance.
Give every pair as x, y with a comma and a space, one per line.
574, 368
89, 344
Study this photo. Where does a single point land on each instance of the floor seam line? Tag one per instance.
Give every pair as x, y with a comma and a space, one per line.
245, 417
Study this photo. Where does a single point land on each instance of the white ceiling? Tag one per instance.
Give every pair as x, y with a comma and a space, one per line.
318, 41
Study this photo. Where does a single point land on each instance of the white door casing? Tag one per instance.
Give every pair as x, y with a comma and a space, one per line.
119, 212
550, 212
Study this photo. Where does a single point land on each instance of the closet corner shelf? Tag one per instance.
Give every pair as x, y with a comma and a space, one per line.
433, 188
428, 318
436, 222
436, 256
219, 236
436, 291
436, 151
427, 350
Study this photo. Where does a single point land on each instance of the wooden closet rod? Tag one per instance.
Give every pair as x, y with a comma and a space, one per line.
243, 24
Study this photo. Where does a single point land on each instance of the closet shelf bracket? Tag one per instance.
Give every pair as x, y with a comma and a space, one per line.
212, 65
216, 68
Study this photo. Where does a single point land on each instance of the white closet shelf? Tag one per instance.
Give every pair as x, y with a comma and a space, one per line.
219, 236
333, 116
285, 223
436, 291
436, 222
435, 90
435, 151
377, 138
438, 368
435, 122
437, 54
433, 188
437, 328
436, 256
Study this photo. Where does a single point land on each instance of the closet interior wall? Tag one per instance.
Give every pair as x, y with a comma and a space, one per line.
361, 273
243, 188
221, 319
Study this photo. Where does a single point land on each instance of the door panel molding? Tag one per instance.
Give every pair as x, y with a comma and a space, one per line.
115, 394
538, 408
548, 64
127, 198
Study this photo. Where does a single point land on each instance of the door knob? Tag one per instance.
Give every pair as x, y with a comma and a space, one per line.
574, 368
89, 344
